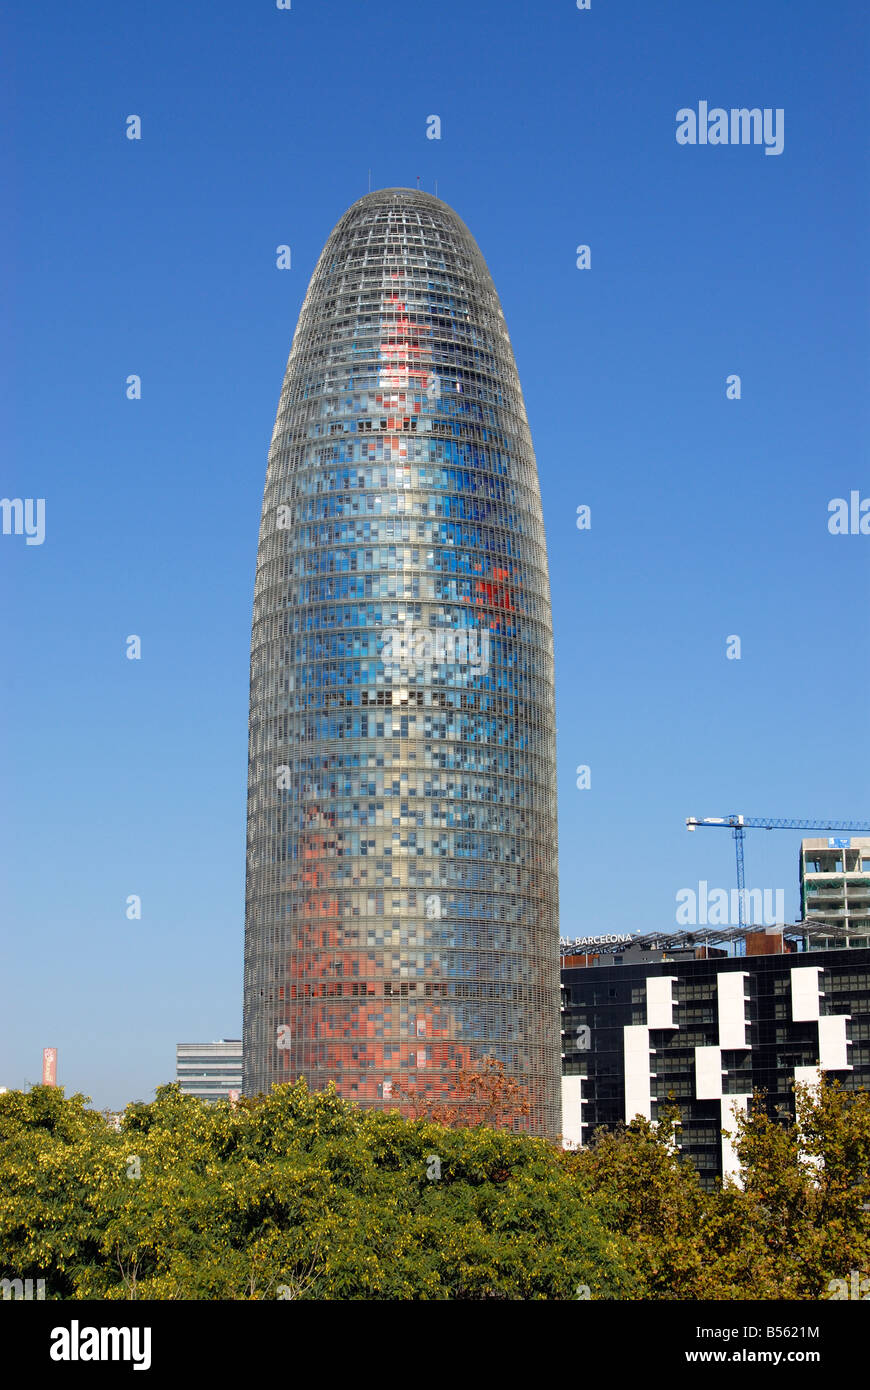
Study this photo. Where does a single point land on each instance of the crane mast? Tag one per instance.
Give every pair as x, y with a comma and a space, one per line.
739, 824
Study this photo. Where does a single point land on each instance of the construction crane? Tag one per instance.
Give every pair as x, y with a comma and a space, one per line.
738, 825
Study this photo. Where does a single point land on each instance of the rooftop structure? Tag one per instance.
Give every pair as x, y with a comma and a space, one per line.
696, 942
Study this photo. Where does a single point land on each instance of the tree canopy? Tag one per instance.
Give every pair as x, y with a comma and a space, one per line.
307, 1196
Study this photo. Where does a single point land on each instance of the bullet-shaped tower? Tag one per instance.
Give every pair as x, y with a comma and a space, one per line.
401, 904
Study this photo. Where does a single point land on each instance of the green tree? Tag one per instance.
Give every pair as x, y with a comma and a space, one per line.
294, 1195
687, 1242
307, 1196
807, 1185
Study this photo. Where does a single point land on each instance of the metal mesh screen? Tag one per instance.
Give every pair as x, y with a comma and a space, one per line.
401, 913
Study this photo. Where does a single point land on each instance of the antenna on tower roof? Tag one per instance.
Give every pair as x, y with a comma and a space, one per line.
436, 188
370, 180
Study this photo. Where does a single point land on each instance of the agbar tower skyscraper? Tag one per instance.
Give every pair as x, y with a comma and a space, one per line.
401, 904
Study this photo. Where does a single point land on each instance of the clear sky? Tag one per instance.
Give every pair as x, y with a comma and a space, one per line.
709, 516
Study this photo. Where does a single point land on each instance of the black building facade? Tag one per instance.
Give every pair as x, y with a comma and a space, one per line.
692, 1022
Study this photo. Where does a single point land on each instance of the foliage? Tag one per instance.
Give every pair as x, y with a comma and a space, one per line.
687, 1243
807, 1186
483, 1095
290, 1195
307, 1196
798, 1218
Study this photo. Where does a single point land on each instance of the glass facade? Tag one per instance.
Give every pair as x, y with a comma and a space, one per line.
211, 1071
401, 913
782, 1041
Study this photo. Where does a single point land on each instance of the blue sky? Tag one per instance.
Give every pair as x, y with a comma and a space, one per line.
709, 516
